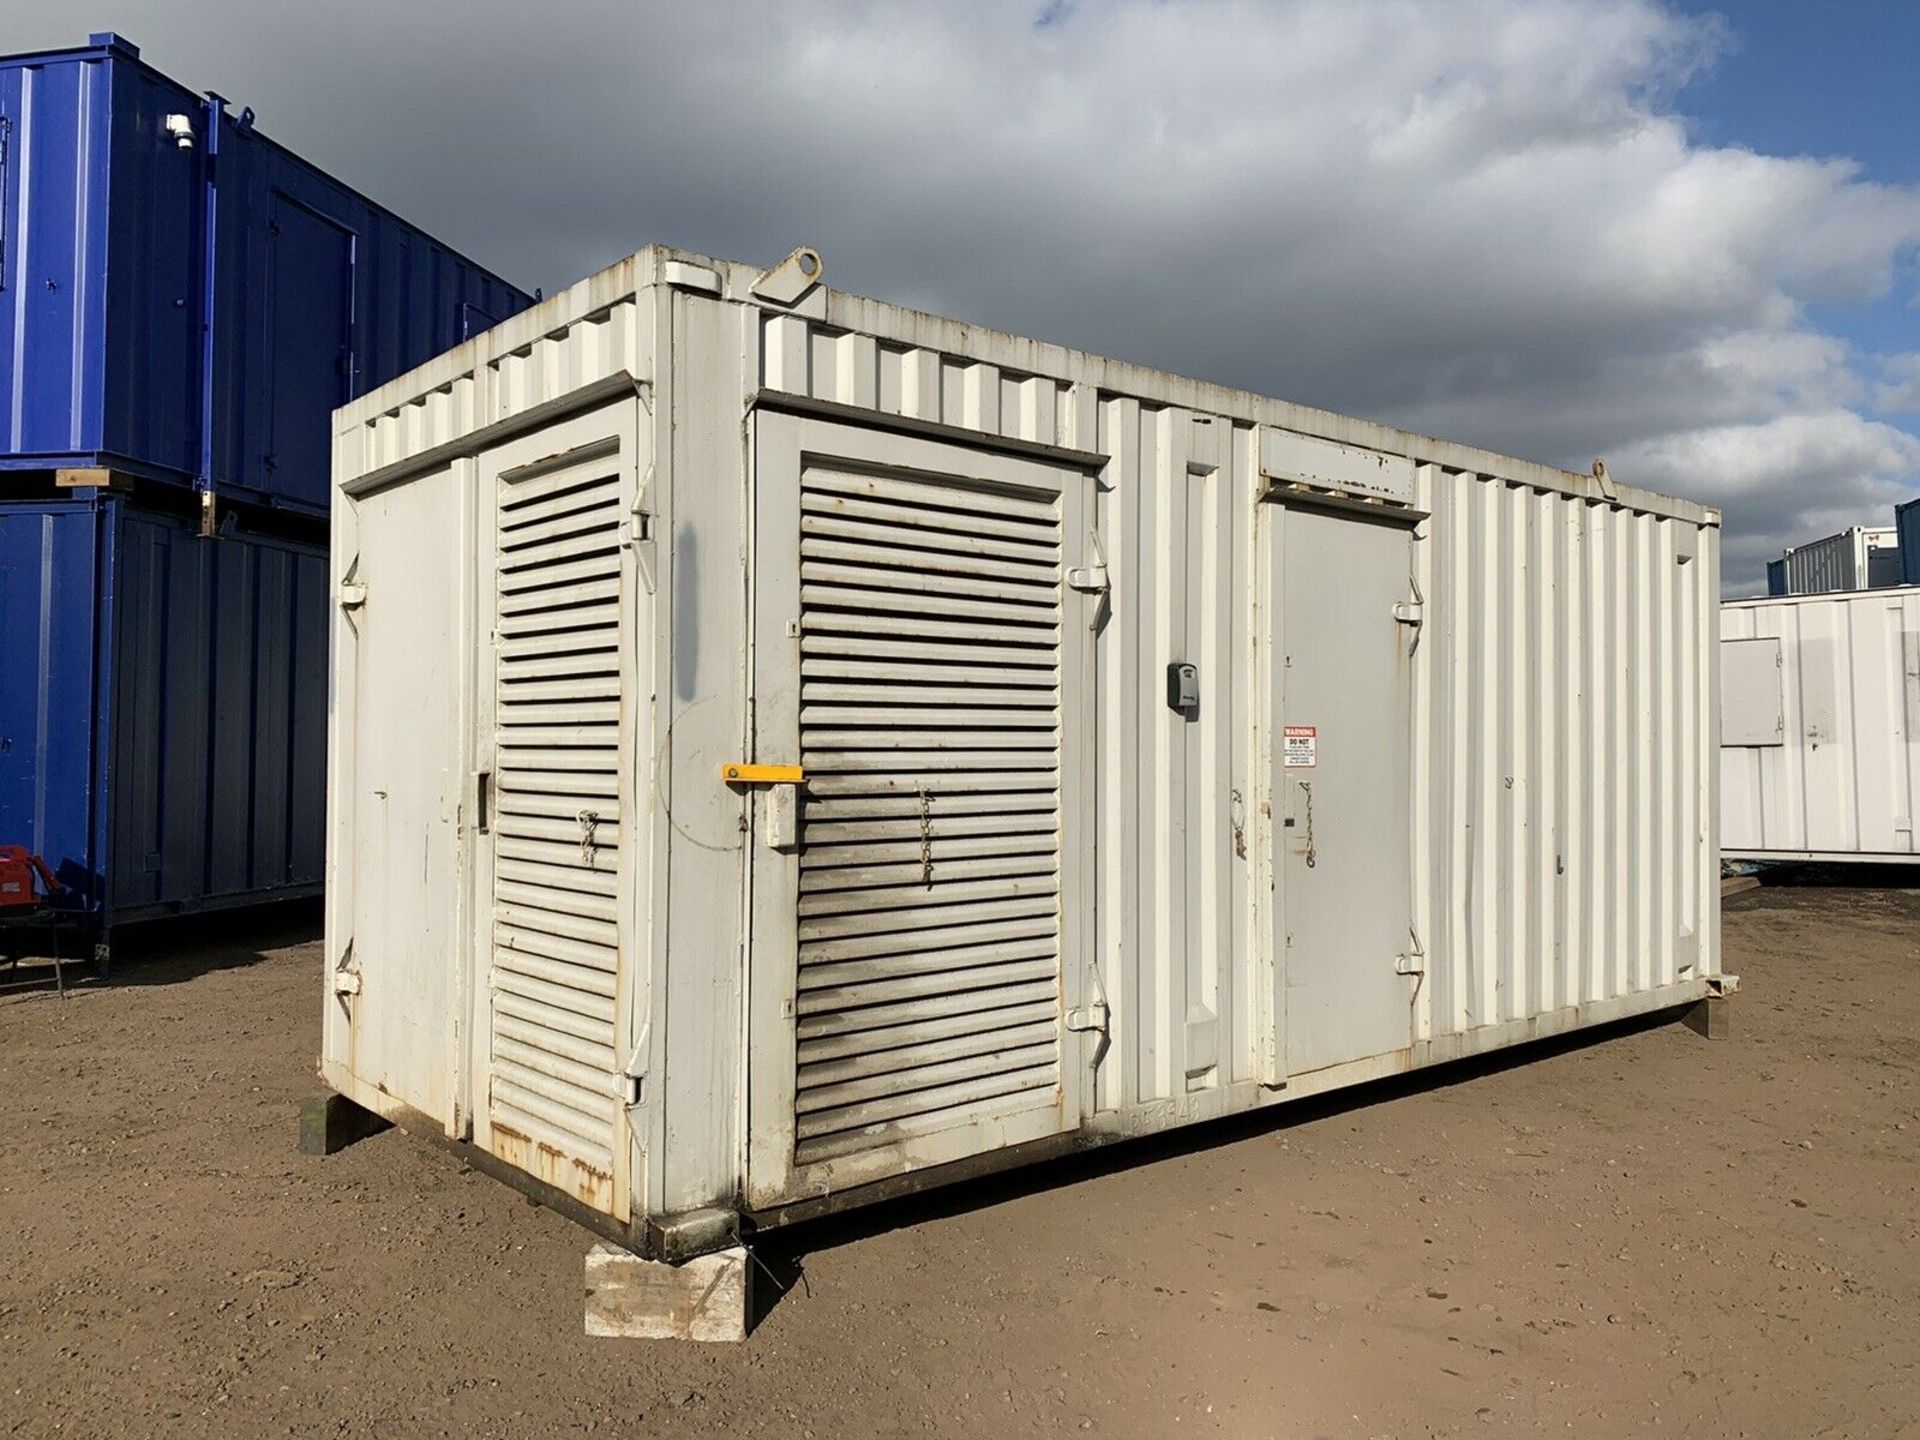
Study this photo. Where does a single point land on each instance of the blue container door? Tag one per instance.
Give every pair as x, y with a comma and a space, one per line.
50, 569
1906, 525
53, 167
157, 843
310, 347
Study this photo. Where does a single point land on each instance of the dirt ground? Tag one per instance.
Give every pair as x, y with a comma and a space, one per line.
1642, 1234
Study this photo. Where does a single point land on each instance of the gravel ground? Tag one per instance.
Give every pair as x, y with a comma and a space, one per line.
1642, 1233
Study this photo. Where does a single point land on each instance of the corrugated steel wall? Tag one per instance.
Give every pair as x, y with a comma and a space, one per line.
595, 348
1565, 721
162, 706
1563, 851
53, 252
1173, 908
218, 675
51, 559
320, 294
1843, 780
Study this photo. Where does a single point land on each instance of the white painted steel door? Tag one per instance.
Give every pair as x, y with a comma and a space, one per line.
1341, 772
395, 888
920, 938
555, 789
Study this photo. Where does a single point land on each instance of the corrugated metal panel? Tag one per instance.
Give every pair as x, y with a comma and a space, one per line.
53, 302
319, 293
219, 697
929, 910
474, 392
162, 733
52, 561
1842, 780
1564, 755
1175, 793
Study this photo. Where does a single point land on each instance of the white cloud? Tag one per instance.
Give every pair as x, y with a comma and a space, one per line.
1898, 392
1798, 476
1485, 218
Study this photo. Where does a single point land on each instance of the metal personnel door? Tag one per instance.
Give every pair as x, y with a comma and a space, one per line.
393, 902
919, 938
1340, 767
310, 348
553, 1032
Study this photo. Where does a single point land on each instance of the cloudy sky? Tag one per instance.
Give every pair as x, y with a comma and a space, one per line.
1680, 237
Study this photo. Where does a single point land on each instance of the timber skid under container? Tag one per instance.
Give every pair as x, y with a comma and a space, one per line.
787, 750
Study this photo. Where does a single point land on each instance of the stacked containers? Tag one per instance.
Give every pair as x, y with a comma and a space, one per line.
185, 304
1862, 557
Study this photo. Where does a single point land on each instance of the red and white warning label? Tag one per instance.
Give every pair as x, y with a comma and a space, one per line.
1300, 743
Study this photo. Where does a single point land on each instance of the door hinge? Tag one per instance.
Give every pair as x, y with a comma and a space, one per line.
1413, 613
1414, 962
633, 1074
1092, 1016
353, 594
346, 977
1089, 579
1092, 580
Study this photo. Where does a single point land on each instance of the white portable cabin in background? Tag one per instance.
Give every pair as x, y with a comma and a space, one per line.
1819, 728
1859, 558
789, 749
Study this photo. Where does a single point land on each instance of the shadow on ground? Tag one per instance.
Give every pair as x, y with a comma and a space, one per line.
780, 1253
1840, 877
162, 952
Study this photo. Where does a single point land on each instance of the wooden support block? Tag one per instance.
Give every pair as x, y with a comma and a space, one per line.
92, 479
702, 1299
329, 1123
1712, 1018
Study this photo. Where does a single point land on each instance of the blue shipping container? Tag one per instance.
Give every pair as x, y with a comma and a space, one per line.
1777, 577
1906, 525
163, 703
186, 302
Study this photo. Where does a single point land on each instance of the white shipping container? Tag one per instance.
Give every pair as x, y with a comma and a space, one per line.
1860, 558
1168, 751
1820, 720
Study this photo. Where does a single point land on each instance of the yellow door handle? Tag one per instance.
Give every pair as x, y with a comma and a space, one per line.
741, 773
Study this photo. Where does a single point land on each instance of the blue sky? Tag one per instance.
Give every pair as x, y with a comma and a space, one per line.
1803, 77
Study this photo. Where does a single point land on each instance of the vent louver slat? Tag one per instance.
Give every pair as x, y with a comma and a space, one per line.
929, 910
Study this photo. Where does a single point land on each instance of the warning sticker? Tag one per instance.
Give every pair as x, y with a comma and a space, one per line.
1301, 742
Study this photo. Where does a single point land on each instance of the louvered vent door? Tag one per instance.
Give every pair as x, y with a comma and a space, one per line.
930, 933
560, 791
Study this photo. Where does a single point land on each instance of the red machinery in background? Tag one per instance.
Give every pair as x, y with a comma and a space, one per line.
19, 867
22, 902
